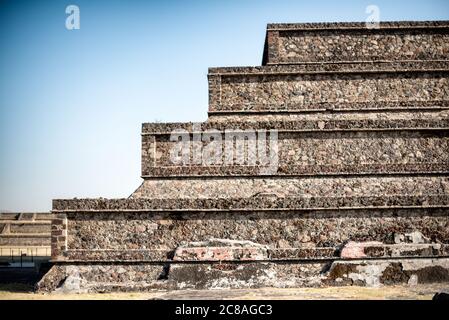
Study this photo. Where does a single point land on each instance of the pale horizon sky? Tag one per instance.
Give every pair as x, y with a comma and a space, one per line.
72, 101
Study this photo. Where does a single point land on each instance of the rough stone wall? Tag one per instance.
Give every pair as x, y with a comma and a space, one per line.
299, 43
309, 187
405, 118
101, 278
302, 153
58, 235
262, 92
136, 277
291, 229
400, 119
150, 230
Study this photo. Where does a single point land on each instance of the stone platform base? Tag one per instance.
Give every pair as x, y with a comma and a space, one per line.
106, 277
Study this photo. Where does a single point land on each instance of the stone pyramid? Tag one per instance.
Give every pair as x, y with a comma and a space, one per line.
327, 165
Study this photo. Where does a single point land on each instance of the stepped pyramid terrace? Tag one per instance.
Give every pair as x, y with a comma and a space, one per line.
325, 166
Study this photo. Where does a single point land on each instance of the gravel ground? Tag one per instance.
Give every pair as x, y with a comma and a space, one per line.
419, 292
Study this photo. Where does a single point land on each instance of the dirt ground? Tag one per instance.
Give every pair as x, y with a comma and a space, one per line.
418, 292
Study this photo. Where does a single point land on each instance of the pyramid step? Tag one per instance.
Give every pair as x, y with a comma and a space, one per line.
43, 216
353, 191
162, 225
26, 216
9, 216
346, 42
25, 239
359, 87
320, 146
32, 227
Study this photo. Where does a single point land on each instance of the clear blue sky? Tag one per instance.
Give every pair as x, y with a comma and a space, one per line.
72, 102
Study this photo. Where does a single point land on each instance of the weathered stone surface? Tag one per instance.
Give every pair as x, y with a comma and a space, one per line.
322, 153
359, 250
165, 231
220, 250
331, 42
309, 92
94, 278
52, 279
305, 252
282, 188
101, 277
412, 237
364, 67
388, 272
247, 275
356, 250
310, 122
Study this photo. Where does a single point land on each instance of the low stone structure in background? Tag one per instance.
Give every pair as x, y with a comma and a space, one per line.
24, 231
24, 246
360, 194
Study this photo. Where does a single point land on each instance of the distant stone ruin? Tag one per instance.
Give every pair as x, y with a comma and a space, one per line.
24, 230
327, 165
24, 246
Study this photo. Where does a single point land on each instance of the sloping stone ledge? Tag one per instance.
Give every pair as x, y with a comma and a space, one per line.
292, 170
254, 253
336, 67
438, 122
133, 277
359, 25
267, 202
